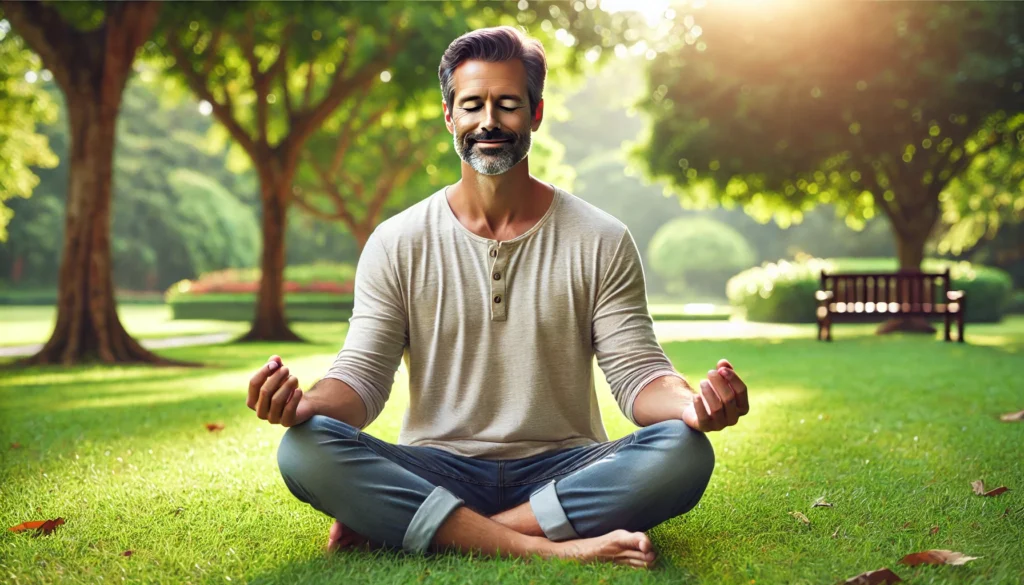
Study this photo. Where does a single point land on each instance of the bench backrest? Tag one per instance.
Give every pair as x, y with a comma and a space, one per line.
913, 291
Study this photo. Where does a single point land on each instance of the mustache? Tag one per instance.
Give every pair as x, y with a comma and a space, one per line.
493, 135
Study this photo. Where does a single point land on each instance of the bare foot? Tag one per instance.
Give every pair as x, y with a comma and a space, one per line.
342, 536
620, 547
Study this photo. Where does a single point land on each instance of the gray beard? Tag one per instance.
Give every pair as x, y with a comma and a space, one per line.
501, 161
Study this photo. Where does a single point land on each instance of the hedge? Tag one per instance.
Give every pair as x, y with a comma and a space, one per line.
48, 297
783, 292
240, 307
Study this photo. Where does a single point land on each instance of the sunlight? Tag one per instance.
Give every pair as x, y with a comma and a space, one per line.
652, 10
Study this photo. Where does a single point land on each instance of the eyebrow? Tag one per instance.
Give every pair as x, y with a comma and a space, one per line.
470, 98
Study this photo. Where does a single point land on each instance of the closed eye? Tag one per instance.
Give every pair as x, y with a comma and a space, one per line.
502, 107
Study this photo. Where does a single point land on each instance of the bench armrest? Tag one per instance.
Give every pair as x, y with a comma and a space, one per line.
824, 296
955, 295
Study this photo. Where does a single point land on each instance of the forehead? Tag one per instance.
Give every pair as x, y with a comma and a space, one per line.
477, 77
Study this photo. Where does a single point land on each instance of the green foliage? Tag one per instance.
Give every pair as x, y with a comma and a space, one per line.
869, 107
24, 105
783, 292
217, 230
1016, 304
698, 254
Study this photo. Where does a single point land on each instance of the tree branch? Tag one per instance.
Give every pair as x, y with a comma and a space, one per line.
58, 43
308, 94
211, 50
223, 112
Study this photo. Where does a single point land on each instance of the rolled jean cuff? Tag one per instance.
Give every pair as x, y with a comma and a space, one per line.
431, 515
550, 515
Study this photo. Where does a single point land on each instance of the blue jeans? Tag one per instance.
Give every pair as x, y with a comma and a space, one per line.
398, 495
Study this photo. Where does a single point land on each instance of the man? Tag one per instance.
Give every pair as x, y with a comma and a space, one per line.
499, 291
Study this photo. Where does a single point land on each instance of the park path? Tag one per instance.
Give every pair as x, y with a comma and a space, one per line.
180, 341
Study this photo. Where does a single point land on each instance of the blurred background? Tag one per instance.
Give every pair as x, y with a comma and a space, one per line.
184, 168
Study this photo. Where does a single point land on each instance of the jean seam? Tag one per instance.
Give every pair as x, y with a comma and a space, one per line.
620, 444
398, 453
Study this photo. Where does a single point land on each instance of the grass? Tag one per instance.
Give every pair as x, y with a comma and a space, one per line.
891, 430
23, 325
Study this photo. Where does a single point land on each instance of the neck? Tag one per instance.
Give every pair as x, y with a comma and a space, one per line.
502, 206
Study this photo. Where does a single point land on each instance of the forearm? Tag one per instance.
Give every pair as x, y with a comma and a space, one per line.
662, 399
336, 399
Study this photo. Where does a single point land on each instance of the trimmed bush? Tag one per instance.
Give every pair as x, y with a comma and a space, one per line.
240, 307
698, 255
1016, 304
783, 292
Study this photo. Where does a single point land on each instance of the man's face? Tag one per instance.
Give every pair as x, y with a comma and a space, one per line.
490, 117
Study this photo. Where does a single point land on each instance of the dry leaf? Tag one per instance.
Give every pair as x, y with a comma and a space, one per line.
1013, 417
15, 445
874, 578
934, 530
906, 525
800, 517
179, 510
214, 426
836, 533
43, 527
127, 553
821, 503
979, 488
936, 557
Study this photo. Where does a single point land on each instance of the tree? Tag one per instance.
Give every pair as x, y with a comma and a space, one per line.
89, 49
869, 107
276, 73
21, 147
698, 255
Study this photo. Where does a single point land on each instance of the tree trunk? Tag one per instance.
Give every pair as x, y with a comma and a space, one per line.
911, 237
91, 68
269, 322
88, 326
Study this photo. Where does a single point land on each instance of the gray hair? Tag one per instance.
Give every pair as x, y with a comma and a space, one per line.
500, 43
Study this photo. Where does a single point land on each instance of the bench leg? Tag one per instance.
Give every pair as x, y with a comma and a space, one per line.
960, 328
948, 327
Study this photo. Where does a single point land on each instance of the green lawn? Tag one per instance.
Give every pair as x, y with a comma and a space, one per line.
890, 430
23, 325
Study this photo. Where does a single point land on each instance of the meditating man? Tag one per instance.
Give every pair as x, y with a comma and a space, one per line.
499, 290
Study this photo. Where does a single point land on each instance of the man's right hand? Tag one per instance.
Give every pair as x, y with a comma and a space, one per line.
276, 397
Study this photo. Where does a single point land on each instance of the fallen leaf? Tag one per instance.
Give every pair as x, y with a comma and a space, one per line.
836, 533
979, 488
43, 527
936, 557
15, 445
1013, 417
126, 553
821, 503
906, 525
800, 517
874, 578
214, 426
934, 530
179, 510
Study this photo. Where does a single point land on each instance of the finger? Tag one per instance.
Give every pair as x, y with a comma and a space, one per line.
714, 405
703, 418
740, 388
281, 399
726, 395
288, 416
724, 363
268, 390
257, 381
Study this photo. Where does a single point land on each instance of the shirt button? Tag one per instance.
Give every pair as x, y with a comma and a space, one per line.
494, 253
497, 276
497, 299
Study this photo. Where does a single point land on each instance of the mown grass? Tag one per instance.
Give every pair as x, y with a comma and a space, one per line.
890, 430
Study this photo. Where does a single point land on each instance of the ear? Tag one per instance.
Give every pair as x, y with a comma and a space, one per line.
448, 122
538, 117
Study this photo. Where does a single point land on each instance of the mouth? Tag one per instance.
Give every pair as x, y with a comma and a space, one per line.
491, 142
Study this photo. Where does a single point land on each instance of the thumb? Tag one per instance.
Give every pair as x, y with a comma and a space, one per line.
690, 417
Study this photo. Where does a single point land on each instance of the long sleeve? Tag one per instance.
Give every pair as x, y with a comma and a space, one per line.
623, 332
378, 330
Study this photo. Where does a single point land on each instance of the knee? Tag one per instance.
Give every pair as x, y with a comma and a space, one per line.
688, 457
304, 448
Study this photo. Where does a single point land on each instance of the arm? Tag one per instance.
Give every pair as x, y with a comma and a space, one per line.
336, 399
626, 347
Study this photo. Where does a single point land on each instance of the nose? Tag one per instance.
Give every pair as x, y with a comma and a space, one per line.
490, 122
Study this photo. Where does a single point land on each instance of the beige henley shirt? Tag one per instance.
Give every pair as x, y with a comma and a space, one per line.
499, 337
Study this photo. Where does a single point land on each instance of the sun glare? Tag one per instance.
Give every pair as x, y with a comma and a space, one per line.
652, 10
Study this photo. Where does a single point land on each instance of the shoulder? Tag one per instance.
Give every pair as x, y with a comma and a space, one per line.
588, 221
411, 224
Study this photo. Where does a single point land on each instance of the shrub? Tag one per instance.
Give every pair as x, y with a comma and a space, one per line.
783, 292
698, 254
241, 306
325, 278
1016, 304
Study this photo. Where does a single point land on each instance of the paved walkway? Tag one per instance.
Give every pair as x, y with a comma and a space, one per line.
182, 341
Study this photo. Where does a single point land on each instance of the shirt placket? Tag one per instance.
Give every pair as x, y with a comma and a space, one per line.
498, 280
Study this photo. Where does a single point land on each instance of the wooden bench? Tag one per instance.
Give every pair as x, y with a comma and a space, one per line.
873, 297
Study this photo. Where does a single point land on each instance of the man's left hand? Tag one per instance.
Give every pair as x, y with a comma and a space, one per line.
722, 400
